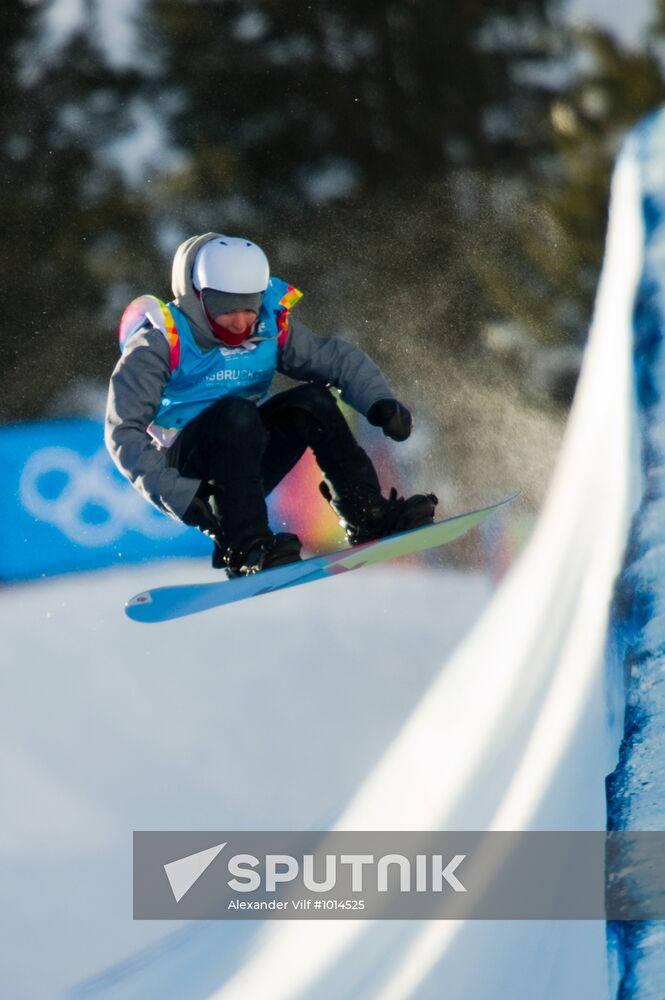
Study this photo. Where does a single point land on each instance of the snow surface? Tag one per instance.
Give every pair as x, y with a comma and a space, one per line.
265, 716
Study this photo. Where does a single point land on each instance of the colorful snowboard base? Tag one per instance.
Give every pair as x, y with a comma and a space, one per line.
166, 603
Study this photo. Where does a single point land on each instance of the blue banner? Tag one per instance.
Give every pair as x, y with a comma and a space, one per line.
64, 507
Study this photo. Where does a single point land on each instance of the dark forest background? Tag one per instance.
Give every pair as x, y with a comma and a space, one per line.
433, 174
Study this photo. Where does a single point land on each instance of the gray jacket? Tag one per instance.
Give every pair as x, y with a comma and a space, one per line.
139, 378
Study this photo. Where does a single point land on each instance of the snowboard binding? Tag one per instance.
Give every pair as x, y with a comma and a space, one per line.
260, 554
367, 516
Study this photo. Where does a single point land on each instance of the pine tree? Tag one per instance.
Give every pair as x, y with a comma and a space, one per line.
71, 228
543, 272
287, 103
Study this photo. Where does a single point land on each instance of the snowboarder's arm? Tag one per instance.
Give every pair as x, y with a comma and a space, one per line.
134, 397
333, 361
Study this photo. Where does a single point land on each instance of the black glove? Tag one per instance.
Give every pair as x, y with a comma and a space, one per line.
393, 417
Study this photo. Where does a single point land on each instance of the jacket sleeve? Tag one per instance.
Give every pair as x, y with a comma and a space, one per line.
333, 361
134, 397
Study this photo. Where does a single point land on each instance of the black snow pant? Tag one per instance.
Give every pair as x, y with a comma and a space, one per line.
244, 451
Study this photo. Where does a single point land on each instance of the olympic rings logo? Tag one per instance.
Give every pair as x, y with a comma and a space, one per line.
81, 498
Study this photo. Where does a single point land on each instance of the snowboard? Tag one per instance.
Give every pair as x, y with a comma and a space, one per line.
166, 603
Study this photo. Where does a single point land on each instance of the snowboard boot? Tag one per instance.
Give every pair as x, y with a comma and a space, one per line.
262, 553
366, 516
235, 517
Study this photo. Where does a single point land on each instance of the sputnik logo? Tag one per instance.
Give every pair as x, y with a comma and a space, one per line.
183, 873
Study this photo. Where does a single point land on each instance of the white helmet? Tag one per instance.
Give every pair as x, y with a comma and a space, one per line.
231, 264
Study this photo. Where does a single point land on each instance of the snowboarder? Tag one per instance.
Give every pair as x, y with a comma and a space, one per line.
187, 425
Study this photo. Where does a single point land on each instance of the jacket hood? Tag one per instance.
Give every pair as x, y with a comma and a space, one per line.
184, 294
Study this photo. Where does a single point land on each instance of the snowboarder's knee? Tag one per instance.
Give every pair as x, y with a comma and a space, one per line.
236, 416
235, 410
317, 401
